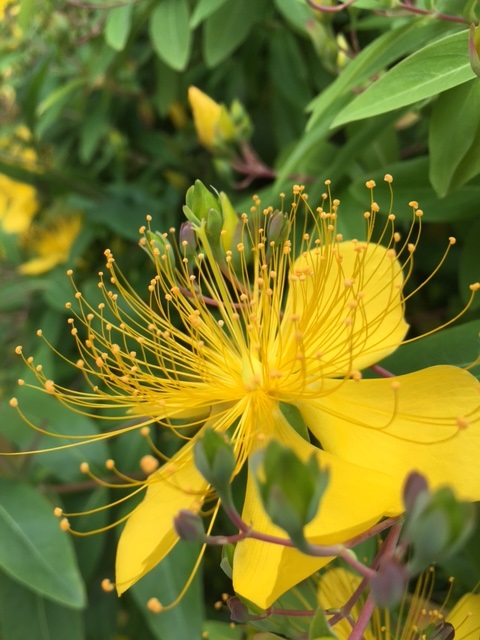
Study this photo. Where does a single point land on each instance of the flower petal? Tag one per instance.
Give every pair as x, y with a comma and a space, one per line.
427, 421
349, 304
149, 535
465, 617
352, 503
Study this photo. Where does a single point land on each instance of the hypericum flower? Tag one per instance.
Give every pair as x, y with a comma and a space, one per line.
51, 245
416, 618
18, 205
231, 338
212, 120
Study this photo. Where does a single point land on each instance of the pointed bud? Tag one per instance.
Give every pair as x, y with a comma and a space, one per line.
189, 526
291, 500
212, 121
230, 221
214, 458
389, 584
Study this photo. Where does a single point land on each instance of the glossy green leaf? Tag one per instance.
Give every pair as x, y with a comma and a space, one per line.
435, 68
411, 182
33, 549
375, 57
170, 32
227, 29
203, 9
117, 26
25, 614
454, 137
457, 346
165, 582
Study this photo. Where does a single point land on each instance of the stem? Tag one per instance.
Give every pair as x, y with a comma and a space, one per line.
384, 373
336, 9
363, 619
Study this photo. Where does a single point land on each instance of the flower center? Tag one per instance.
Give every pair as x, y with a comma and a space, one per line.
252, 373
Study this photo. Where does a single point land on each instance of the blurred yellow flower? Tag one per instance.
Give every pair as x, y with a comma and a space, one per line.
51, 245
212, 120
416, 614
18, 205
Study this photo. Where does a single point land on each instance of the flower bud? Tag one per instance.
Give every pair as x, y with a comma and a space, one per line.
189, 526
231, 221
291, 500
200, 200
212, 121
214, 458
389, 584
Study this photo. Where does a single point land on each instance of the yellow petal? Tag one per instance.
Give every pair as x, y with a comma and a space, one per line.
465, 617
430, 423
349, 303
355, 499
149, 535
335, 588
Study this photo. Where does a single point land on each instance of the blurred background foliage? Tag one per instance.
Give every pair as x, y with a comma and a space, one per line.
97, 132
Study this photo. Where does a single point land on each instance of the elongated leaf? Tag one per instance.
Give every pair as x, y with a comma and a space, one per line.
165, 582
203, 9
228, 27
33, 549
411, 182
25, 614
118, 25
374, 58
435, 68
60, 95
170, 32
454, 137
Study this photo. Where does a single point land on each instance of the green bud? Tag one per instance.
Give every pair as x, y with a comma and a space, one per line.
437, 525
214, 225
188, 240
214, 458
200, 200
241, 120
278, 227
291, 500
157, 245
189, 526
230, 221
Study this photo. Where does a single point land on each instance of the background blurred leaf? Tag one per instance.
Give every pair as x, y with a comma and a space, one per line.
170, 32
33, 549
25, 614
165, 582
117, 26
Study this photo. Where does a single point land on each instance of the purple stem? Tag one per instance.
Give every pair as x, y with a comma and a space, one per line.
384, 373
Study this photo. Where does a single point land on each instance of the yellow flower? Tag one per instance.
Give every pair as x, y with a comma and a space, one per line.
229, 342
212, 120
18, 205
51, 245
416, 613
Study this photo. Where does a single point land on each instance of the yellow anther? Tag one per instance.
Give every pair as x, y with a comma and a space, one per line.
84, 467
148, 464
64, 524
154, 605
107, 585
13, 403
58, 512
388, 178
49, 386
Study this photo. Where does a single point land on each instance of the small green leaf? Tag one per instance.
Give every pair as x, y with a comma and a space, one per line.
33, 549
117, 27
320, 629
25, 614
170, 32
435, 68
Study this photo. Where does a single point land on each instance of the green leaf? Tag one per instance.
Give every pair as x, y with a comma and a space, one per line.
214, 630
170, 32
60, 96
117, 27
469, 268
435, 68
376, 56
295, 12
454, 137
456, 346
25, 614
33, 549
411, 182
227, 29
94, 126
203, 9
320, 629
165, 582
